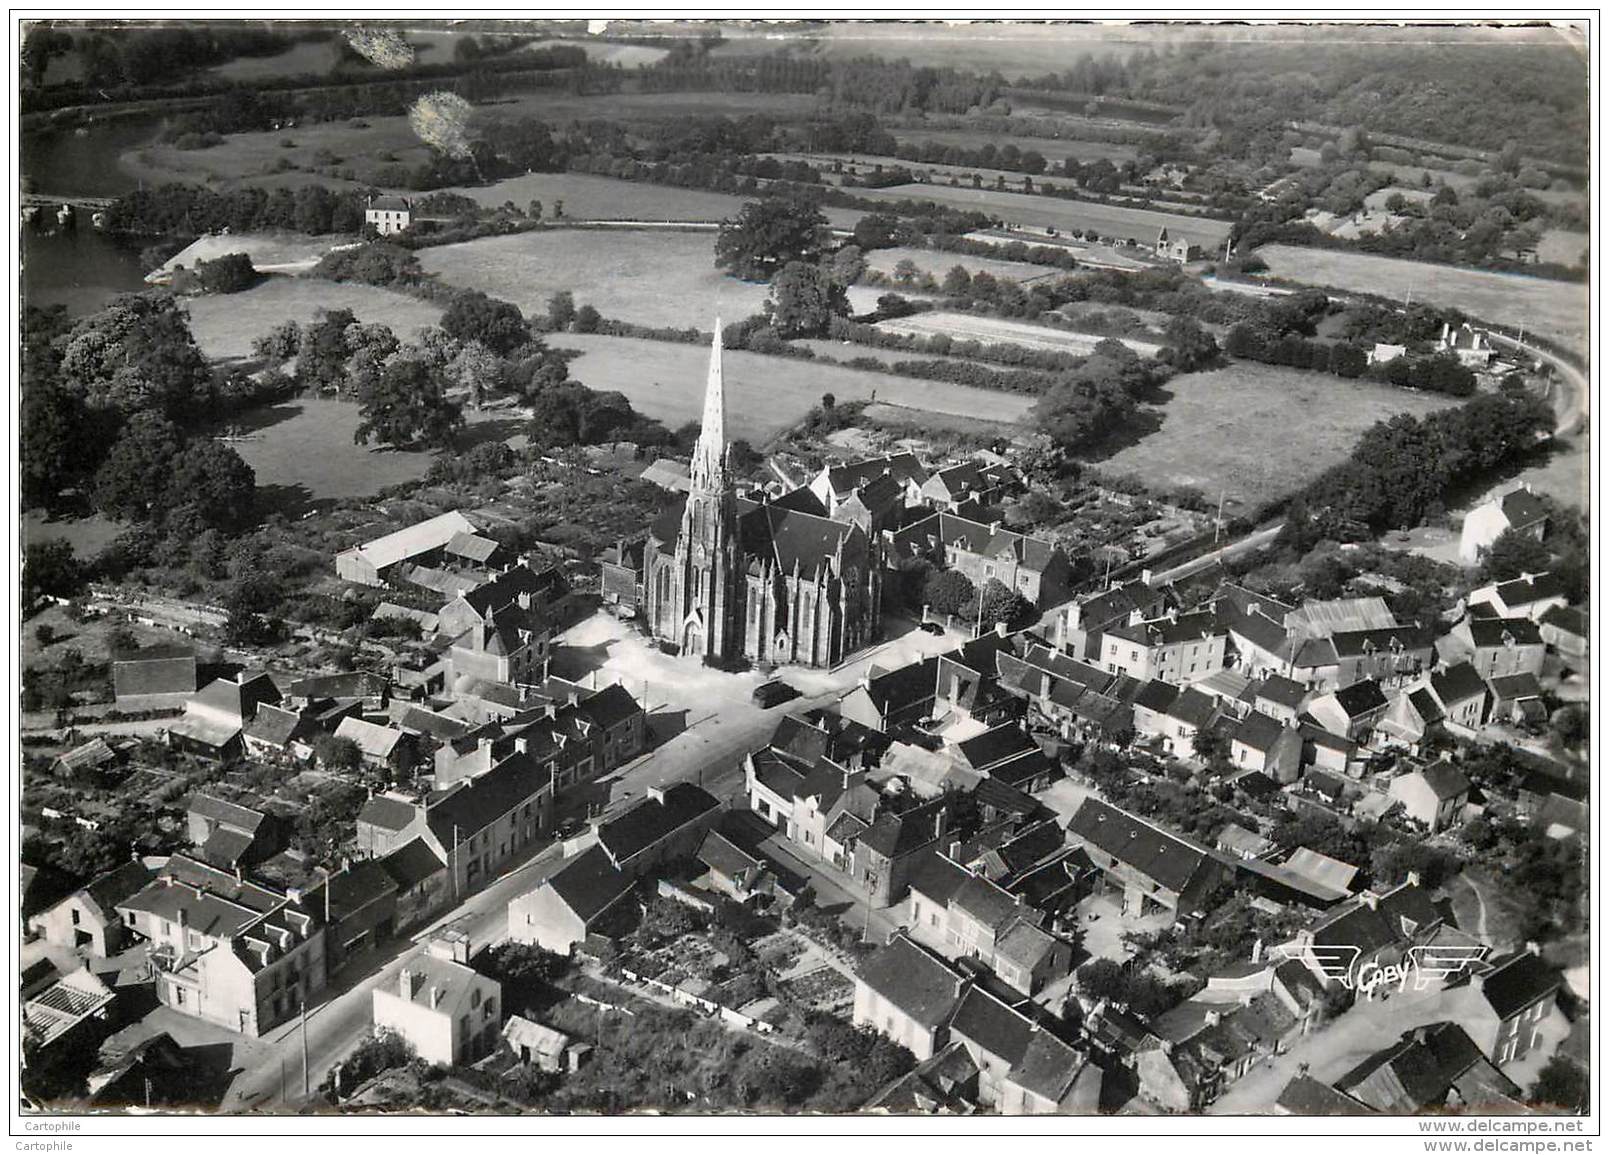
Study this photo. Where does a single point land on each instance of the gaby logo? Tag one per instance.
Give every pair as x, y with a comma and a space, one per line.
1423, 966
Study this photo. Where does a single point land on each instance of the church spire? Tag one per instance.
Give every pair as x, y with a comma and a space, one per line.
710, 454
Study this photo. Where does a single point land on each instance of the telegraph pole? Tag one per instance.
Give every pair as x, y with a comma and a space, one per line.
305, 1073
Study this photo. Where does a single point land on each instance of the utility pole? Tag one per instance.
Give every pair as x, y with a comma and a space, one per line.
305, 1073
455, 864
1217, 525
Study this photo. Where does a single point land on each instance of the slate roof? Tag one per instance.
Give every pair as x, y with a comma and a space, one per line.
982, 540
161, 669
1193, 708
1004, 798
1048, 1068
724, 856
1157, 695
105, 891
985, 902
919, 983
472, 547
357, 886
1518, 982
411, 864
609, 707
1361, 698
895, 690
1305, 1095
654, 820
1525, 591
895, 835
1100, 610
225, 847
390, 203
472, 804
996, 745
1260, 631
1445, 780
274, 725
792, 538
936, 877
903, 466
1282, 691
1489, 633
1458, 683
1571, 621
1258, 731
1522, 508
357, 684
1168, 859
1423, 1065
386, 813
224, 812
1192, 627
589, 884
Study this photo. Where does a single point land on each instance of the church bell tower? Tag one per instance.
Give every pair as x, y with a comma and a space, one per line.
707, 545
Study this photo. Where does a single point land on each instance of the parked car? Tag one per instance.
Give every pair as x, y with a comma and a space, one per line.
772, 693
931, 628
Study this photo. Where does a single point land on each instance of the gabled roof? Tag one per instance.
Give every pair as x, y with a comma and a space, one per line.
105, 891
387, 813
654, 820
1157, 695
472, 547
936, 877
1445, 780
1321, 868
902, 466
1193, 708
724, 856
389, 202
276, 726
1167, 858
1305, 1095
609, 707
1258, 731
414, 540
1522, 508
1335, 615
920, 984
1528, 590
1169, 631
375, 741
589, 884
163, 669
895, 690
894, 835
985, 902
1282, 691
1459, 683
1571, 621
1518, 982
226, 813
997, 745
412, 863
790, 538
1360, 698
354, 684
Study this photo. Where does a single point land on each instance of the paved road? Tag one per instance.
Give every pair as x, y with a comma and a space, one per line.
1572, 412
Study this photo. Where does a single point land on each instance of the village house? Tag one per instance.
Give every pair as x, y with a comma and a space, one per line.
1204, 1045
1411, 715
542, 1047
1461, 693
885, 700
385, 749
1009, 754
1153, 868
227, 835
360, 905
388, 214
422, 885
1567, 631
448, 1012
1344, 657
215, 718
584, 895
744, 877
276, 733
1177, 648
964, 915
1373, 927
153, 677
1434, 797
232, 952
1351, 711
1038, 570
477, 826
836, 483
1497, 646
1081, 627
907, 994
1513, 996
1470, 345
1260, 742
1430, 1068
1023, 1069
88, 918
669, 823
1519, 510
1517, 698
540, 591
1177, 249
1527, 596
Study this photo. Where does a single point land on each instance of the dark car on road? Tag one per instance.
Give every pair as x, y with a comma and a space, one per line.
772, 693
931, 628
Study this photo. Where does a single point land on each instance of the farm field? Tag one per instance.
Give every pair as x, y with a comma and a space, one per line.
603, 198
1053, 150
609, 51
764, 395
1556, 309
302, 451
1099, 255
1139, 225
1563, 246
249, 157
1258, 431
652, 277
848, 351
994, 331
306, 58
900, 417
87, 535
225, 326
938, 263
1414, 175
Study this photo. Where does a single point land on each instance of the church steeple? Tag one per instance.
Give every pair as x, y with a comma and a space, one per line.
709, 472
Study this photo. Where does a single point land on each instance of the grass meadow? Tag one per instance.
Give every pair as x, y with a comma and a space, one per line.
225, 326
1257, 432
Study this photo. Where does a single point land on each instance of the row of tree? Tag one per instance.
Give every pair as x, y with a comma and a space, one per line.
1437, 373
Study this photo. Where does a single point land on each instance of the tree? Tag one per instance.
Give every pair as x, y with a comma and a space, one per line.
1188, 346
211, 477
339, 754
321, 359
906, 271
473, 316
586, 319
1512, 554
405, 405
947, 591
844, 268
803, 301
279, 344
767, 234
230, 273
998, 602
133, 482
49, 567
1563, 1083
561, 310
1209, 745
136, 354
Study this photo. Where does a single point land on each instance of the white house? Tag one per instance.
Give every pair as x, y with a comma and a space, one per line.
1519, 510
448, 1012
388, 214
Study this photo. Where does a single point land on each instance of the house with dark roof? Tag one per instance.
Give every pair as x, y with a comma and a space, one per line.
1374, 927
908, 994
1411, 715
836, 483
87, 919
1023, 1068
153, 677
964, 915
1279, 697
887, 699
1082, 625
1152, 867
1527, 596
1351, 711
1306, 1097
669, 823
1460, 691
1567, 630
1434, 796
1430, 1068
228, 835
1201, 1047
882, 858
1188, 714
1519, 510
420, 877
583, 896
1177, 648
237, 954
276, 733
1260, 742
1497, 646
388, 214
1517, 698
1036, 569
215, 718
1514, 995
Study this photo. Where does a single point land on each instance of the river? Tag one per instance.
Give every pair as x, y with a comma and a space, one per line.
81, 267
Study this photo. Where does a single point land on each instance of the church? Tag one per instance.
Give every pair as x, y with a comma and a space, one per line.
771, 581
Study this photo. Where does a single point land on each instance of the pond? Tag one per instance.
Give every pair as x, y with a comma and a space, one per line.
81, 268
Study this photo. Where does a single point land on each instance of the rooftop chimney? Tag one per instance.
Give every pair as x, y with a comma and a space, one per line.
520, 746
436, 994
409, 982
1000, 629
1145, 576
